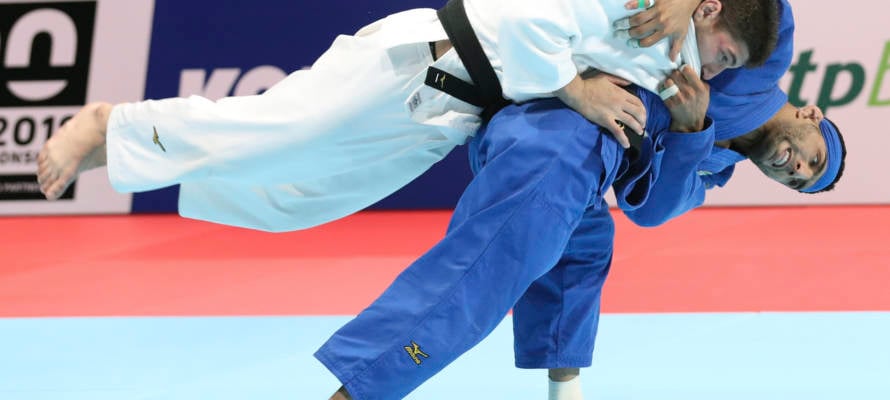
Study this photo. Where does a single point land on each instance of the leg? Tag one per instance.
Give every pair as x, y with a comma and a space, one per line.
346, 113
341, 394
302, 205
555, 321
530, 187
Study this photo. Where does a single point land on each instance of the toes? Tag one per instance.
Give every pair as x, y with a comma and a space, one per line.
44, 177
48, 178
55, 190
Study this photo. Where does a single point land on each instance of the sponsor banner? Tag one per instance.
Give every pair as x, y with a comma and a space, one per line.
842, 56
56, 56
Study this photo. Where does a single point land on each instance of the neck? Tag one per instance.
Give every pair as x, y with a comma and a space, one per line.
744, 143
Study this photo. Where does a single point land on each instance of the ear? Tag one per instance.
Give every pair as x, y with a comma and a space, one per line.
708, 10
810, 112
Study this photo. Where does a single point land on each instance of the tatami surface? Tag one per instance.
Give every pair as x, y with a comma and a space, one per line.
728, 303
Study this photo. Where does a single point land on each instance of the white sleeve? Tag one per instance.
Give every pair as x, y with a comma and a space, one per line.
535, 45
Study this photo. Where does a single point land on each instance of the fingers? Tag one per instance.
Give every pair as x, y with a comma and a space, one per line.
669, 90
634, 108
618, 81
636, 20
642, 29
676, 46
617, 130
689, 73
688, 80
638, 4
653, 37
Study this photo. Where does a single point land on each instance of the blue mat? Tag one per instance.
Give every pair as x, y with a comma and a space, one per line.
747, 356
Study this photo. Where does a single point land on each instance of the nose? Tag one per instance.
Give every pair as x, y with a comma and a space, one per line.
801, 170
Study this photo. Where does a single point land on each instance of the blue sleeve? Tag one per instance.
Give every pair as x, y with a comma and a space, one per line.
743, 99
669, 185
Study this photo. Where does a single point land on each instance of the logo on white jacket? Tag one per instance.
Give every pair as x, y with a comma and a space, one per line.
157, 139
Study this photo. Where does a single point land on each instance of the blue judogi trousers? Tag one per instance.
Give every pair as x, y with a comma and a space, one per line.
531, 231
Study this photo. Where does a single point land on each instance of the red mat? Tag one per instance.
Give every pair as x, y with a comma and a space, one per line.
711, 260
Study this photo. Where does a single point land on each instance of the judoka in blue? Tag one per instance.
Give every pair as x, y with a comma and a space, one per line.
531, 232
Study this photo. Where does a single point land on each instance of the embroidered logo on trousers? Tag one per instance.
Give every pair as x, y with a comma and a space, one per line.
157, 139
414, 351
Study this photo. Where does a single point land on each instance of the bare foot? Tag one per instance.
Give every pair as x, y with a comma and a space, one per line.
78, 146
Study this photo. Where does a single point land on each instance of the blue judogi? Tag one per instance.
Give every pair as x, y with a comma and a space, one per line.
532, 232
532, 223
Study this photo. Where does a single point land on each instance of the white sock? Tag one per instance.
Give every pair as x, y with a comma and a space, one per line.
569, 390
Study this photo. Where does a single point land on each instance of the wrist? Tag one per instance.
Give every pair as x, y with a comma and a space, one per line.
571, 92
689, 127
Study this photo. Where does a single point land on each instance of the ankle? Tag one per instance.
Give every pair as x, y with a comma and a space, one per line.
569, 389
101, 112
341, 394
563, 374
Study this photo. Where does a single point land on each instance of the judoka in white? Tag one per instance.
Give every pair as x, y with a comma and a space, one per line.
284, 160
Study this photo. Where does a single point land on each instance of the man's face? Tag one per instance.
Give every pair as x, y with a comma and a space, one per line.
718, 51
793, 153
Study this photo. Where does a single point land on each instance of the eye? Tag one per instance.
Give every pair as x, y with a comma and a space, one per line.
795, 183
815, 161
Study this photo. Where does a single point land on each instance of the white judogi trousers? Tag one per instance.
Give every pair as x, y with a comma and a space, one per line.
321, 144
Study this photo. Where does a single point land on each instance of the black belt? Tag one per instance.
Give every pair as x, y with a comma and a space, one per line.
485, 91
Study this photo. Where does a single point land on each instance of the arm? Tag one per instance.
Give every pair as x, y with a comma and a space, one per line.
669, 185
535, 48
601, 100
673, 184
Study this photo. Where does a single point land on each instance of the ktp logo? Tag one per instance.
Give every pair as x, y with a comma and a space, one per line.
45, 51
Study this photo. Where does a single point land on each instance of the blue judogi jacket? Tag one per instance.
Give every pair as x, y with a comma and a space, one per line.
663, 180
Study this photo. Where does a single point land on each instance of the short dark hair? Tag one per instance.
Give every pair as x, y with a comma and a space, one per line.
755, 23
840, 171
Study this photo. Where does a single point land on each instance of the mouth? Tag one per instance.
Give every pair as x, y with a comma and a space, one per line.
782, 159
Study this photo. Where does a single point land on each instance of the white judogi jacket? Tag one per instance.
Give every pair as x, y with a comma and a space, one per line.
329, 141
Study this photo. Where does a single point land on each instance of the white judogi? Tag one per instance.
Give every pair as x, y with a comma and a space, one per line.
329, 141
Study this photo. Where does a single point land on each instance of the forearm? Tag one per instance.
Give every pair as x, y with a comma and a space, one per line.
674, 185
